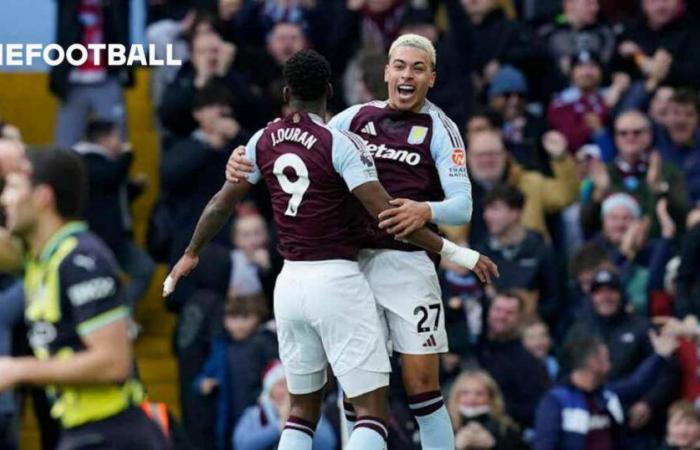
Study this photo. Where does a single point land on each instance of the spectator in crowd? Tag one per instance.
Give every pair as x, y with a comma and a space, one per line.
626, 337
200, 157
588, 260
525, 261
575, 31
683, 428
522, 131
680, 144
226, 372
478, 414
638, 171
90, 89
198, 325
489, 164
108, 160
213, 61
522, 377
456, 107
474, 22
177, 33
260, 426
11, 315
254, 266
580, 110
586, 393
283, 41
538, 342
660, 105
625, 238
662, 42
688, 284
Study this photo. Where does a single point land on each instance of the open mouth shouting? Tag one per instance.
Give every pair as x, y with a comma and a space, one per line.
406, 91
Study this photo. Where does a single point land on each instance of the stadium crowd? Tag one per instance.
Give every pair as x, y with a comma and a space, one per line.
581, 120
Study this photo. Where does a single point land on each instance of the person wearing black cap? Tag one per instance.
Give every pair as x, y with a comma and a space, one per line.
627, 339
580, 110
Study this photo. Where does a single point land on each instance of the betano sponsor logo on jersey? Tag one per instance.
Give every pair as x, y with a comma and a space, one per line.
383, 152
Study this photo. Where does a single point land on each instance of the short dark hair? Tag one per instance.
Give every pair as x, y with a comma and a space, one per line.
506, 193
686, 96
244, 305
578, 348
98, 129
590, 256
212, 93
515, 294
307, 75
63, 171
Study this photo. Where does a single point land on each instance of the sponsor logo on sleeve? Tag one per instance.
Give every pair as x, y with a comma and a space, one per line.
458, 157
91, 290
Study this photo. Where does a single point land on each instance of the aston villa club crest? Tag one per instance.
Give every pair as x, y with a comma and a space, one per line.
417, 135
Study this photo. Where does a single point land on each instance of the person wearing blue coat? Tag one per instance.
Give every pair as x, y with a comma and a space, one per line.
260, 426
584, 409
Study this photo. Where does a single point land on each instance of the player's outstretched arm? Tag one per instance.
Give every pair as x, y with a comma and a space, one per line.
375, 199
215, 215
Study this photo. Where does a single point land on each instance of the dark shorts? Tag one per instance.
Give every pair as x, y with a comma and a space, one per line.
128, 430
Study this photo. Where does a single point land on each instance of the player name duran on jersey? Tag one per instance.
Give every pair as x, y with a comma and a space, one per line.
317, 217
293, 135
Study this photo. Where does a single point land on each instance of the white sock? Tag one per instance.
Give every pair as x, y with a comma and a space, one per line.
370, 433
298, 434
433, 420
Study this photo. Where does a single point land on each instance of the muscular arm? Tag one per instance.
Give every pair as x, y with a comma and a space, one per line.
107, 358
216, 213
375, 199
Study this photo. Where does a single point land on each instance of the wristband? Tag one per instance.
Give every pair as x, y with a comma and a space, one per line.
463, 256
168, 286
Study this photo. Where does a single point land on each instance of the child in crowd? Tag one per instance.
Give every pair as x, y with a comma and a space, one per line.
536, 339
683, 428
261, 425
227, 373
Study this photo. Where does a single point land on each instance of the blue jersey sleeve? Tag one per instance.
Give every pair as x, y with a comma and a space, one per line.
449, 154
250, 152
343, 119
352, 160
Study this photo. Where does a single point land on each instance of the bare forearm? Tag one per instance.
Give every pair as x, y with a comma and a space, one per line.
85, 367
215, 215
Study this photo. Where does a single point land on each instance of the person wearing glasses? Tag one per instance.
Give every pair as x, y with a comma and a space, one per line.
639, 171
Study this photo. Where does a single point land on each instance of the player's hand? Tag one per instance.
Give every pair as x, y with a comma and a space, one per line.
10, 376
406, 217
640, 414
238, 166
486, 269
184, 266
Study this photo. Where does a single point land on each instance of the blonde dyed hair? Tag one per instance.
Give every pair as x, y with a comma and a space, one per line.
415, 41
496, 402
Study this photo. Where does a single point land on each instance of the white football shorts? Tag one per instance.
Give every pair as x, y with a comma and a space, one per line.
326, 313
